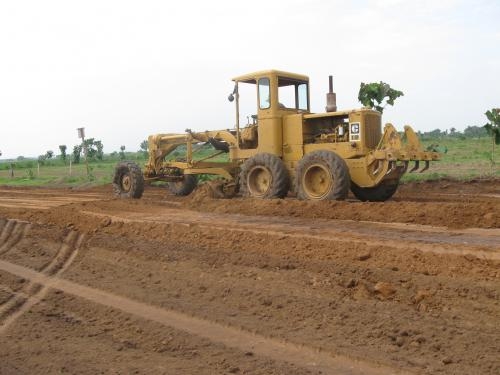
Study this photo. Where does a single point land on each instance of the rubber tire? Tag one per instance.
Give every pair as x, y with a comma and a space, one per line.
379, 193
337, 168
184, 187
280, 183
133, 172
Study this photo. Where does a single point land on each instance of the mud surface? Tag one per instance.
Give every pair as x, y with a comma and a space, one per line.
167, 285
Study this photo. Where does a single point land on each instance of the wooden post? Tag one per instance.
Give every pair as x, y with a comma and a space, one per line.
81, 134
70, 166
86, 159
11, 170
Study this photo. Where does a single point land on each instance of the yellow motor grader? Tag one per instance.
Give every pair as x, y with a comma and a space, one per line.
285, 148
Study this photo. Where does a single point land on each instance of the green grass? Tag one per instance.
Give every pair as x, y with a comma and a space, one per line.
465, 159
57, 174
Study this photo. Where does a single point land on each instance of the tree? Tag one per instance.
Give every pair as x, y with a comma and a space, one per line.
94, 149
493, 129
41, 159
122, 152
62, 148
436, 133
144, 147
49, 154
91, 149
100, 147
475, 132
77, 151
373, 94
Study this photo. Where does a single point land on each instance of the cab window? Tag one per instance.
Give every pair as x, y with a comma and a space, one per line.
264, 93
293, 94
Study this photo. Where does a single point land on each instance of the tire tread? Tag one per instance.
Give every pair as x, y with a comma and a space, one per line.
281, 178
136, 176
338, 168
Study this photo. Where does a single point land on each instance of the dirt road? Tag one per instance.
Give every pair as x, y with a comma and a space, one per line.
167, 285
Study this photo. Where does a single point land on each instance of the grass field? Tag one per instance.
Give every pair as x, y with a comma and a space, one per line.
101, 173
464, 159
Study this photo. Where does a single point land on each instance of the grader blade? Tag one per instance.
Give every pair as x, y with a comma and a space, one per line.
222, 189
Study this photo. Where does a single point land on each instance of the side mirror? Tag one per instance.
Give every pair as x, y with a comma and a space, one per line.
230, 97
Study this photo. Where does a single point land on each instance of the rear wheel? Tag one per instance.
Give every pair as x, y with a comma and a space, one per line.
379, 193
264, 176
322, 175
128, 181
184, 186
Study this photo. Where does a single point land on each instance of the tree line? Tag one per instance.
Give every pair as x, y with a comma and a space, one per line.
94, 149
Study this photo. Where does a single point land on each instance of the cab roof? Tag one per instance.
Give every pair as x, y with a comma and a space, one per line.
262, 73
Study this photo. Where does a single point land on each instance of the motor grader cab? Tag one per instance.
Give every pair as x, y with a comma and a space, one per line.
283, 148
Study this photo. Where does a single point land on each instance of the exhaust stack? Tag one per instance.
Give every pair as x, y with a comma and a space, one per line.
331, 98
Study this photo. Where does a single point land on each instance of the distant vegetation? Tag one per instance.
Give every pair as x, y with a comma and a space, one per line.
470, 132
466, 155
70, 170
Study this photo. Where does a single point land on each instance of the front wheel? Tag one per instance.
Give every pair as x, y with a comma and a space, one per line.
128, 181
379, 193
322, 175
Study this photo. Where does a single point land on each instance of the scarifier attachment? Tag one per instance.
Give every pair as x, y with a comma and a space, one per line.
427, 164
410, 150
416, 150
415, 167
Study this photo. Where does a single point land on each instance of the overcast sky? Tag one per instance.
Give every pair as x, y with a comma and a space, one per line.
127, 69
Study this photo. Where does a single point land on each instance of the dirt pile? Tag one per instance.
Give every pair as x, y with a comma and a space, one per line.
461, 214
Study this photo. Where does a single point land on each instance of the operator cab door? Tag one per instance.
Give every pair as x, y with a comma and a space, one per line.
278, 97
262, 132
293, 95
270, 123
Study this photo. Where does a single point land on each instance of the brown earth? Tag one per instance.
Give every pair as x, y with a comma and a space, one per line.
167, 285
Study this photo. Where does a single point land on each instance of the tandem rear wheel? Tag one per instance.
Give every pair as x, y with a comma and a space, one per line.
379, 193
264, 176
322, 175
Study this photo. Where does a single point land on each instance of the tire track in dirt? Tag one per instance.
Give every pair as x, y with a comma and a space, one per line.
7, 227
51, 193
12, 232
32, 293
38, 204
400, 236
30, 199
302, 356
